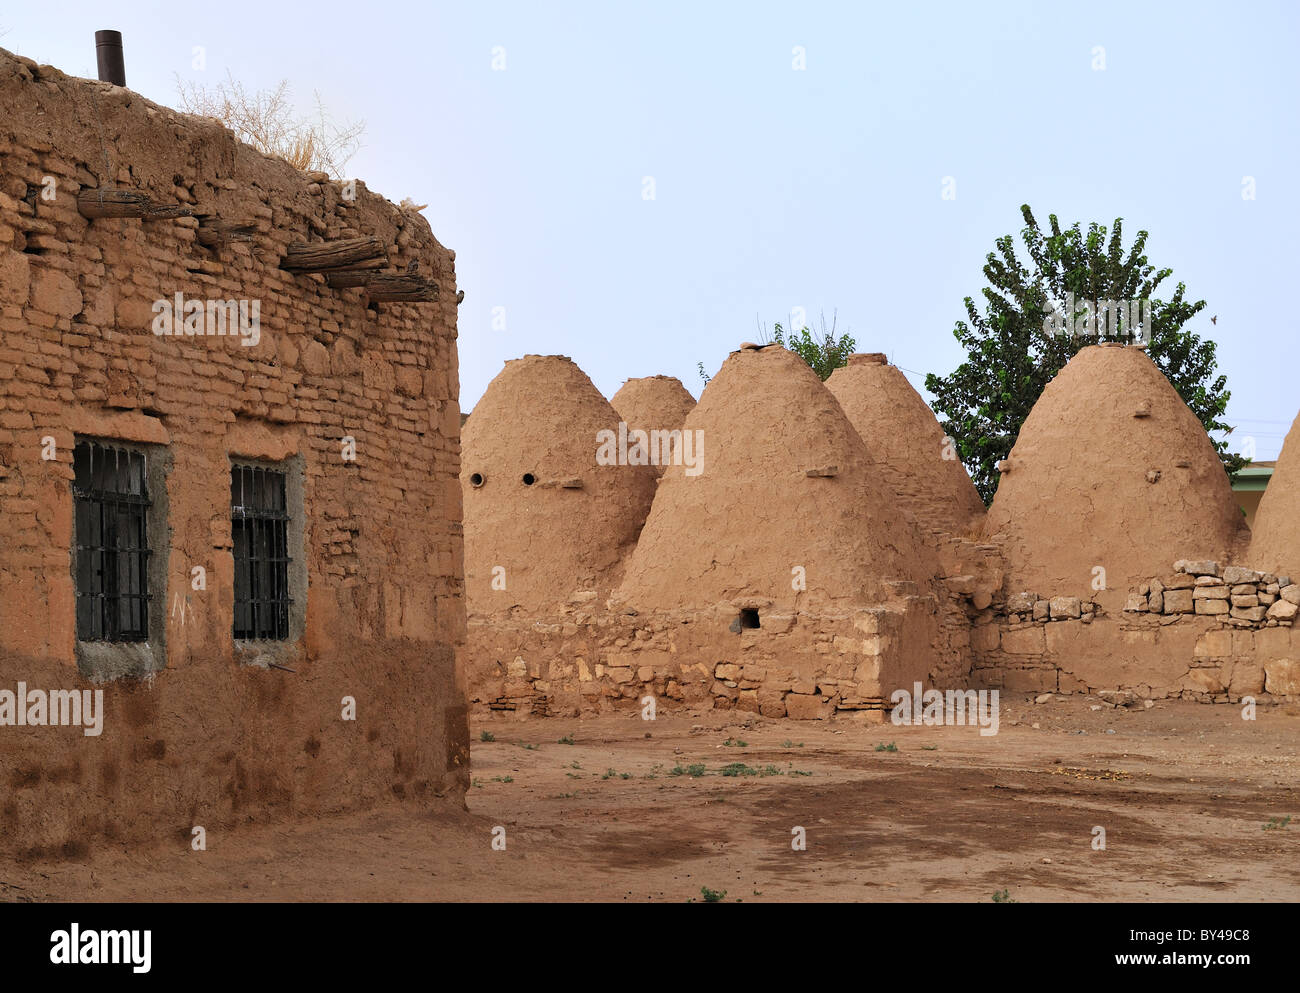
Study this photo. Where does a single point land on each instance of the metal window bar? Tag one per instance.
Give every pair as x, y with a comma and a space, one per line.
260, 528
111, 502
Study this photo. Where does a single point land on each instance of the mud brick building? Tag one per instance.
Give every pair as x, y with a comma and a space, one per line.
778, 576
241, 520
1113, 560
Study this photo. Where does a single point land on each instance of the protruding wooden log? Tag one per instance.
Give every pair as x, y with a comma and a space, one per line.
97, 203
316, 256
354, 275
215, 232
400, 288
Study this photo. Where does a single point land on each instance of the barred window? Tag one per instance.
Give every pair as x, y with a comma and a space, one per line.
111, 498
260, 524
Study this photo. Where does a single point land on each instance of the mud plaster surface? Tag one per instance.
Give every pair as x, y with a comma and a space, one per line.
1275, 545
1077, 494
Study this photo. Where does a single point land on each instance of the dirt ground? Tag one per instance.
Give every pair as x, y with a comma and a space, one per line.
1184, 792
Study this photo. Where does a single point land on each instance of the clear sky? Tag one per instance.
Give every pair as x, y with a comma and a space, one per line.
774, 187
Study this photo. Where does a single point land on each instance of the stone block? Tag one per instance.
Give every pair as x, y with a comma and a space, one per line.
806, 707
1282, 677
1021, 603
1283, 610
1232, 575
1024, 641
1064, 607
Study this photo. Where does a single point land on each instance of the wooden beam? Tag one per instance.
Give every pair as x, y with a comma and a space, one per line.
316, 256
214, 232
353, 275
98, 203
400, 288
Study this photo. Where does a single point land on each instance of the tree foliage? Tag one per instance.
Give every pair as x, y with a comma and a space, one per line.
1012, 354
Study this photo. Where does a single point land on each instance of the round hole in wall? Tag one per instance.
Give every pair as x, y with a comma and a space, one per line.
529, 479
476, 480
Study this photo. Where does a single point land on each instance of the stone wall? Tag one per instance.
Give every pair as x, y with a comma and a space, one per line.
590, 657
1202, 632
219, 736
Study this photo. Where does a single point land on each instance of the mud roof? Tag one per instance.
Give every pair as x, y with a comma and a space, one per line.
784, 483
536, 503
910, 448
1111, 470
1275, 545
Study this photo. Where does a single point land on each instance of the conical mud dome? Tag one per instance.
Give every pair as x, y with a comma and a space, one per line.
1111, 472
653, 403
542, 518
783, 493
1275, 546
911, 451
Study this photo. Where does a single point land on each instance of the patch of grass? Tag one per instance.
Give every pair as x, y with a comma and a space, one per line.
1004, 896
929, 748
573, 775
712, 896
798, 772
487, 736
790, 744
1277, 823
564, 796
566, 740
891, 747
695, 770
735, 743
502, 779
574, 765
737, 769
531, 748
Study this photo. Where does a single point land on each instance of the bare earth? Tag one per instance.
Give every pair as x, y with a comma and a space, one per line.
1183, 791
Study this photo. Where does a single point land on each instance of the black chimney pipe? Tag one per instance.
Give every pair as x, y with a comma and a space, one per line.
108, 54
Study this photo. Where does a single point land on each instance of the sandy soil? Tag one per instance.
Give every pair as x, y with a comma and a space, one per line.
1183, 790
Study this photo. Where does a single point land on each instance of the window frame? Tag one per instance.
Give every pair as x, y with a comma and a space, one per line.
263, 650
99, 658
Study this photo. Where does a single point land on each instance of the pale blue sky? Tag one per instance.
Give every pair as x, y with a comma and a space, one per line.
778, 188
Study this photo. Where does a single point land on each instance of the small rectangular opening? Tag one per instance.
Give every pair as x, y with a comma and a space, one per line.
749, 617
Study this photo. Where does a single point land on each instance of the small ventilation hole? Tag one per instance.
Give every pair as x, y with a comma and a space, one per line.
529, 479
476, 480
749, 617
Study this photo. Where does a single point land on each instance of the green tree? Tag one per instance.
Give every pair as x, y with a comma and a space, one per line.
1013, 353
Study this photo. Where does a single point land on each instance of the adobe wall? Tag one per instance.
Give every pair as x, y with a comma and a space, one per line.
591, 657
1205, 631
216, 737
